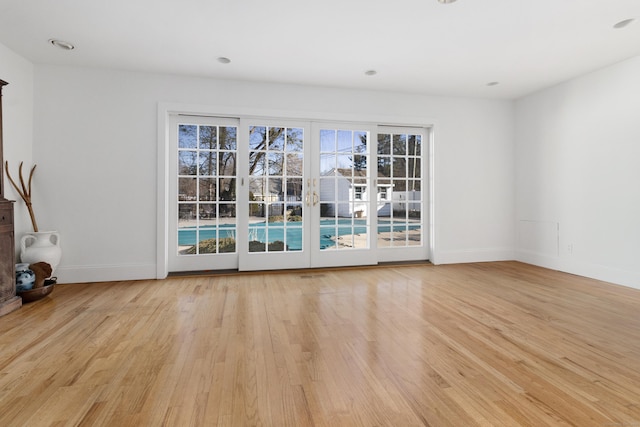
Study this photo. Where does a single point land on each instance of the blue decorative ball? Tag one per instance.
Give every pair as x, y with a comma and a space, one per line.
25, 280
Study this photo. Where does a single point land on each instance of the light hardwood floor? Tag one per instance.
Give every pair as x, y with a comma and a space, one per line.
492, 344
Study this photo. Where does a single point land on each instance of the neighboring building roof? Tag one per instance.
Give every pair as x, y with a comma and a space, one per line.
358, 177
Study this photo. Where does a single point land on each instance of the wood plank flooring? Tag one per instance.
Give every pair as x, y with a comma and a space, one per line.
491, 344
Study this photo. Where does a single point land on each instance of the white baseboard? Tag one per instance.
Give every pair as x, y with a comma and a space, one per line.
541, 260
628, 278
104, 273
616, 276
472, 255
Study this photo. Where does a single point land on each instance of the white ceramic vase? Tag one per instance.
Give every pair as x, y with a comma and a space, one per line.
41, 246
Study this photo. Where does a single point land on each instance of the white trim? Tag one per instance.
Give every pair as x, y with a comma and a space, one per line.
162, 179
630, 279
105, 273
473, 255
431, 207
270, 113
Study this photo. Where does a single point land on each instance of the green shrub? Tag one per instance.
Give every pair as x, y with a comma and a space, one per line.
211, 246
257, 246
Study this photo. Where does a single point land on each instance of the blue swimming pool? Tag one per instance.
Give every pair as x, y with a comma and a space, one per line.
276, 231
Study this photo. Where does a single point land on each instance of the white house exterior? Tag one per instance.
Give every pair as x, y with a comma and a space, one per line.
346, 193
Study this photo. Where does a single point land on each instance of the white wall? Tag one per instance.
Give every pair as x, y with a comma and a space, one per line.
578, 175
17, 111
475, 180
95, 144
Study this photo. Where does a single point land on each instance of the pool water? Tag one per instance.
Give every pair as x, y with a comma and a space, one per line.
276, 231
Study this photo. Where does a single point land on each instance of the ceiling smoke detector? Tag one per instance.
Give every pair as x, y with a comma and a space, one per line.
61, 44
624, 23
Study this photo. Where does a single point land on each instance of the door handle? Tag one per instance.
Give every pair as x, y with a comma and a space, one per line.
315, 198
306, 199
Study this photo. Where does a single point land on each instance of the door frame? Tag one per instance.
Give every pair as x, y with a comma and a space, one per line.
166, 109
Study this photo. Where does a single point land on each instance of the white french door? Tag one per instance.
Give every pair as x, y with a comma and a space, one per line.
402, 171
275, 219
343, 214
202, 215
260, 194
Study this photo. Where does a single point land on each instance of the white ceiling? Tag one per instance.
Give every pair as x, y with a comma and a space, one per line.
416, 46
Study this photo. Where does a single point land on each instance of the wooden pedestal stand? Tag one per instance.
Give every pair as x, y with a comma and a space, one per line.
8, 299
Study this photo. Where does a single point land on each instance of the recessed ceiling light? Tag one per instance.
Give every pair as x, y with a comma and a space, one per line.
446, 1
624, 23
62, 44
223, 60
493, 83
370, 73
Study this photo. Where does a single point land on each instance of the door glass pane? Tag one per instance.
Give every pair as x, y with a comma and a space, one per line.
414, 166
345, 162
327, 164
399, 145
293, 190
187, 189
399, 166
188, 136
327, 141
400, 199
187, 162
344, 189
206, 189
208, 137
415, 142
294, 164
345, 141
275, 189
228, 138
276, 139
384, 144
257, 138
294, 140
207, 160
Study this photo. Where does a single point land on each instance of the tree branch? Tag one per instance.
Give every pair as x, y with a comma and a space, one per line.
24, 192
